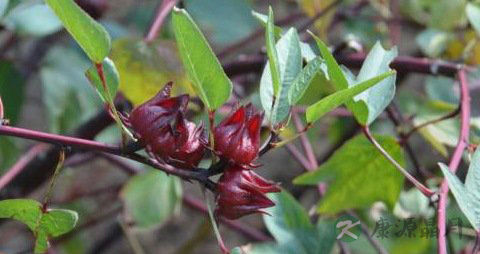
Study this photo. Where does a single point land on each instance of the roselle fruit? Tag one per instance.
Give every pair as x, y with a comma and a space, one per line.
241, 192
237, 137
160, 125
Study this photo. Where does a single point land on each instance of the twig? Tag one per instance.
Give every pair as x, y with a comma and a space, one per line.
268, 145
426, 191
106, 148
374, 242
160, 16
456, 158
433, 121
48, 193
1, 111
21, 163
249, 232
307, 146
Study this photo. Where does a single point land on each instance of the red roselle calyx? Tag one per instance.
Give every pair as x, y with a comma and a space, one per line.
240, 192
160, 125
237, 137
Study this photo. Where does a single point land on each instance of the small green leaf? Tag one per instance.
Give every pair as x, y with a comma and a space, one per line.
273, 60
201, 64
112, 79
263, 19
152, 197
290, 64
468, 202
90, 35
473, 15
335, 73
107, 88
325, 105
361, 175
52, 223
304, 79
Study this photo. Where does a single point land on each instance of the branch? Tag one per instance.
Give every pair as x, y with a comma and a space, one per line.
456, 158
402, 64
426, 191
198, 175
160, 16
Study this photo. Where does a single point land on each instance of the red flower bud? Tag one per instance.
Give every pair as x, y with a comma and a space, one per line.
156, 113
167, 135
241, 192
237, 137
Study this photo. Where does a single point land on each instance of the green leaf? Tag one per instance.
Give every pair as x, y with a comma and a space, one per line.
304, 79
152, 197
361, 175
473, 15
469, 202
433, 42
11, 90
90, 35
273, 60
325, 105
335, 73
290, 225
112, 80
290, 63
52, 223
66, 92
32, 18
263, 19
201, 64
377, 98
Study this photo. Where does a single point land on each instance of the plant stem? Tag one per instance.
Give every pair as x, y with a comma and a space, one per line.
456, 158
1, 110
131, 238
426, 191
221, 244
48, 193
197, 175
20, 164
433, 121
160, 16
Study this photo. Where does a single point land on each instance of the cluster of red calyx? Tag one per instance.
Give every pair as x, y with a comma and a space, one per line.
240, 191
161, 126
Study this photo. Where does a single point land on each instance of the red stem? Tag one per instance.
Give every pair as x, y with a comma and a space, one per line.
455, 160
21, 163
422, 188
162, 13
106, 148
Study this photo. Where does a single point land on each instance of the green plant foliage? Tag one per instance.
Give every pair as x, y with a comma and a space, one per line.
12, 90
202, 66
359, 175
44, 225
290, 63
67, 95
272, 54
32, 18
152, 197
234, 14
146, 67
112, 79
305, 79
290, 225
89, 34
334, 100
467, 195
